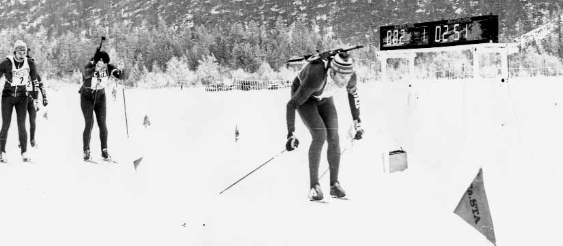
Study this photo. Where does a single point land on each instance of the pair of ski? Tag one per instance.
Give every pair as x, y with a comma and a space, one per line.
326, 201
24, 161
104, 160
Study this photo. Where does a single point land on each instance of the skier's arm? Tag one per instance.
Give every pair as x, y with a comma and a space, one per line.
41, 86
2, 73
32, 71
42, 90
3, 68
34, 76
88, 71
353, 97
354, 101
297, 99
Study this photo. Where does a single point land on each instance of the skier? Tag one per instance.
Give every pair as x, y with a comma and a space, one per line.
33, 103
96, 76
311, 96
20, 72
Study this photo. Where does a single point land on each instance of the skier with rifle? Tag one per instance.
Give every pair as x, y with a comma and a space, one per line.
96, 76
312, 97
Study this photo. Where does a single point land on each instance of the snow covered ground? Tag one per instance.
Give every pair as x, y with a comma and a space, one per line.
449, 129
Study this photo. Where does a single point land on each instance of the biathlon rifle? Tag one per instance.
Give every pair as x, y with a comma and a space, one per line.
101, 42
99, 48
323, 55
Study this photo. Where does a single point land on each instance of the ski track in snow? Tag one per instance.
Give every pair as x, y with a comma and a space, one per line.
449, 129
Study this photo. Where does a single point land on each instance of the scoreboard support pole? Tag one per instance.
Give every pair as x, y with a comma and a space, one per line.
504, 49
476, 64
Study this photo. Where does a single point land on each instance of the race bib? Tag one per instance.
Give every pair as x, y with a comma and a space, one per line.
21, 77
101, 79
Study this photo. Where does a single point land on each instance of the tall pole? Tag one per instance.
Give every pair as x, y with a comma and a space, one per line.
125, 107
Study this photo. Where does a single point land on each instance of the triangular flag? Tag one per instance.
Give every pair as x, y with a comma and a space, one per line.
474, 208
137, 162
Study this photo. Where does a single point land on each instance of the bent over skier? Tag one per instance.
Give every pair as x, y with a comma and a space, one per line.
312, 96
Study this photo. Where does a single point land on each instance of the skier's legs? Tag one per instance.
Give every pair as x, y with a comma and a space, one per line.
86, 104
7, 108
32, 117
329, 115
21, 114
100, 109
310, 115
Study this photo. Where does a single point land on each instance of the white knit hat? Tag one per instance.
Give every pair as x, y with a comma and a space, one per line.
19, 44
342, 63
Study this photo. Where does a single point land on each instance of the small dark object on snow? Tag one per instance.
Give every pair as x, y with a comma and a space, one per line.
146, 121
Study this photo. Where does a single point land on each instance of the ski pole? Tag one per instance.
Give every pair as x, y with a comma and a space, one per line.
121, 68
341, 153
125, 107
250, 172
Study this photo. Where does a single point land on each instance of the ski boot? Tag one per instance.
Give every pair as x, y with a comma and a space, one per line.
25, 158
3, 158
106, 155
315, 194
87, 156
336, 191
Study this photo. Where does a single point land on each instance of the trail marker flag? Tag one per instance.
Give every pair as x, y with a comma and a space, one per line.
474, 208
137, 162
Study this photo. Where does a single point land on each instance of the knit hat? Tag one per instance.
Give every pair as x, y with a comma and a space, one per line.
342, 63
20, 44
101, 55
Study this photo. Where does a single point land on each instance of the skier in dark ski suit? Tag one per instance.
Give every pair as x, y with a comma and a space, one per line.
20, 73
311, 96
93, 99
33, 104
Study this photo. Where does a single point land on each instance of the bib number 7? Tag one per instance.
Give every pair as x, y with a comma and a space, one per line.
21, 79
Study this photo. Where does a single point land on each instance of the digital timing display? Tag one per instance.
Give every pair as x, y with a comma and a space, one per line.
469, 30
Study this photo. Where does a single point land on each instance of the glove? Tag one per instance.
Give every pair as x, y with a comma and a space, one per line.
36, 104
359, 130
117, 73
45, 102
292, 142
36, 83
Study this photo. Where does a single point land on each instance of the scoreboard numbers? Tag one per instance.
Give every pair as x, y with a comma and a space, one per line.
469, 30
